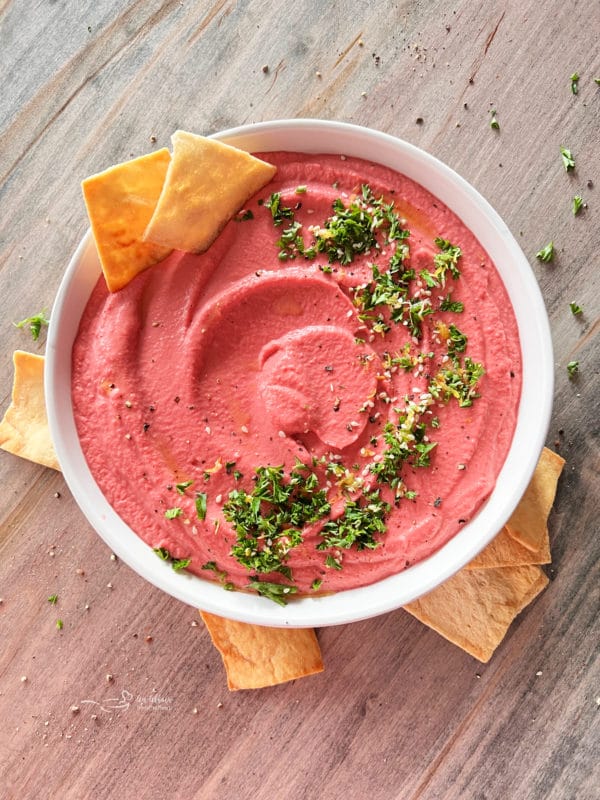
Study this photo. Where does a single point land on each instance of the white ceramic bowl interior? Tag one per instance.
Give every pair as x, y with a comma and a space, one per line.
315, 136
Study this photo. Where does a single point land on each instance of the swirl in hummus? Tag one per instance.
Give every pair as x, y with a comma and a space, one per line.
320, 400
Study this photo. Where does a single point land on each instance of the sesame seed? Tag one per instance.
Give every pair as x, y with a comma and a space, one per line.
281, 434
244, 429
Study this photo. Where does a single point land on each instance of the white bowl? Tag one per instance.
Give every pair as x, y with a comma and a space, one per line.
315, 136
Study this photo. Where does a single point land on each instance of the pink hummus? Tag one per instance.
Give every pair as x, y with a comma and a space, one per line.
207, 367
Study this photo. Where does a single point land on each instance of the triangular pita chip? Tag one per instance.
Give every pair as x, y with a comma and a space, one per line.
207, 183
475, 608
528, 522
120, 202
24, 430
255, 656
504, 551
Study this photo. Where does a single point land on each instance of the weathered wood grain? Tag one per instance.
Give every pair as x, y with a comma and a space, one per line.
399, 712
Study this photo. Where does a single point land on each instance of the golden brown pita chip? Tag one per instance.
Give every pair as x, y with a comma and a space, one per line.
475, 608
24, 430
504, 551
528, 523
120, 202
207, 183
255, 656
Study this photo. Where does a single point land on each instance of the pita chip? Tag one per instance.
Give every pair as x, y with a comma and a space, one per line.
504, 551
24, 430
120, 202
255, 656
528, 525
475, 608
206, 184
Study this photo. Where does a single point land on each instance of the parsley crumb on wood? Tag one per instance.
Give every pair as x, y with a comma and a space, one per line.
573, 369
577, 204
546, 254
576, 309
34, 323
574, 83
567, 159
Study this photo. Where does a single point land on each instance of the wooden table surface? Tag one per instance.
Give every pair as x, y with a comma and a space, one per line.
398, 712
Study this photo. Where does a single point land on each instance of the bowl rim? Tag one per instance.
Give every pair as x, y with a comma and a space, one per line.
535, 406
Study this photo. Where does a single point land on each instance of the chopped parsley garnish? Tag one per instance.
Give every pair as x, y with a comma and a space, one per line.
458, 381
597, 81
494, 121
575, 308
361, 521
443, 262
291, 242
572, 369
316, 584
333, 563
35, 324
268, 520
181, 487
300, 190
577, 204
172, 513
447, 304
53, 599
574, 82
277, 592
546, 254
229, 465
567, 159
176, 563
278, 211
405, 441
457, 341
59, 624
350, 231
201, 505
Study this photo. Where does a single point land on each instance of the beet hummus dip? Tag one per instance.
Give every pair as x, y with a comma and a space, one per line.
323, 398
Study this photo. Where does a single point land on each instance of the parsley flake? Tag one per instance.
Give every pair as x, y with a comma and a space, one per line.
546, 254
567, 159
172, 513
59, 624
575, 309
181, 487
180, 563
573, 369
35, 324
201, 505
577, 204
574, 82
53, 599
494, 124
277, 592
